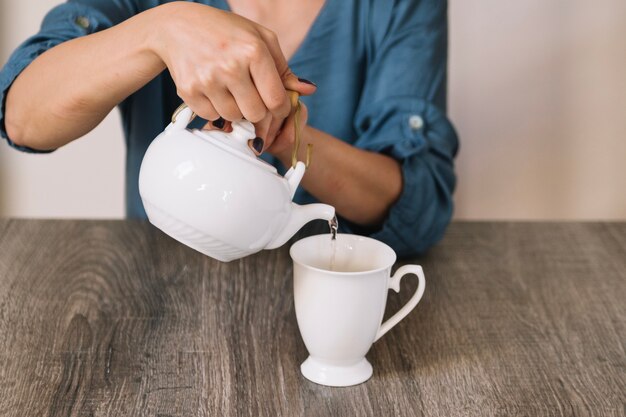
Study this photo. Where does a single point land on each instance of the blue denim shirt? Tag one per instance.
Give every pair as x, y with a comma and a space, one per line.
380, 68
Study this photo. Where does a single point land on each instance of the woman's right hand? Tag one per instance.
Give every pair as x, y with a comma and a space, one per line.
225, 65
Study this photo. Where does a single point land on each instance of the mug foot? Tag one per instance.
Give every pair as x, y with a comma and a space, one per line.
336, 376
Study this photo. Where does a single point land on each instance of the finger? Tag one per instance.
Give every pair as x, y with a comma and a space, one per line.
277, 123
274, 128
289, 79
202, 106
285, 137
219, 124
271, 41
261, 130
247, 98
225, 104
303, 86
287, 130
289, 127
270, 87
271, 127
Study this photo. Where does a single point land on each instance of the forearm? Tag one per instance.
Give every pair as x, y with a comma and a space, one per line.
361, 185
68, 90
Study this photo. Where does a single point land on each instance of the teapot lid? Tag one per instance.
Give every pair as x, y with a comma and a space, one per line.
236, 142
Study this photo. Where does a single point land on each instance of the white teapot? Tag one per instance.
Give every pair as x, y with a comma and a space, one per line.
209, 191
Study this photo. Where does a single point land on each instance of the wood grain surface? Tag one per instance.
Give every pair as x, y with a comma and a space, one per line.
114, 318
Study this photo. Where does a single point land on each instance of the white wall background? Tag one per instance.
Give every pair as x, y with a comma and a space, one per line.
82, 179
537, 92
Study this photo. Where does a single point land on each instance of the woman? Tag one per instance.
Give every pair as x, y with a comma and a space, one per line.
384, 148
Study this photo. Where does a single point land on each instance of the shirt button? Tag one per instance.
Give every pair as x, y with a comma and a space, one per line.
416, 122
82, 21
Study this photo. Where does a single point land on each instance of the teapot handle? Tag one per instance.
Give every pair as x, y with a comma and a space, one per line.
242, 132
182, 116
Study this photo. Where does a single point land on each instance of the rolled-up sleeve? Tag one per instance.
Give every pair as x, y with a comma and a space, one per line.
63, 23
402, 113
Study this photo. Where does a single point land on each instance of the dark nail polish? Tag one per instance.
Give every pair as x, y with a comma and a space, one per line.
219, 123
302, 80
258, 144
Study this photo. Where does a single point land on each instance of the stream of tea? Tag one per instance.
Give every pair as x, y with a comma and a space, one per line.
334, 225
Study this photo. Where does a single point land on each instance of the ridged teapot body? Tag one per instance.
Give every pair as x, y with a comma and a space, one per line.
202, 189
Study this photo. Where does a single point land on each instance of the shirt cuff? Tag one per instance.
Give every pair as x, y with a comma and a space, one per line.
17, 63
422, 139
404, 126
419, 218
64, 22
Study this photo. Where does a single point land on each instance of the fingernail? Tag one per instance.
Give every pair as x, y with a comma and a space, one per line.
257, 145
302, 80
219, 123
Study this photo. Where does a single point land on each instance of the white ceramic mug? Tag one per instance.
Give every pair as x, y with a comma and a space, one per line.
339, 312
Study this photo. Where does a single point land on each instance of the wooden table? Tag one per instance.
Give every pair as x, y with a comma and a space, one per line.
113, 318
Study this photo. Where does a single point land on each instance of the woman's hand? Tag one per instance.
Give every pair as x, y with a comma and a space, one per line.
226, 66
285, 139
282, 137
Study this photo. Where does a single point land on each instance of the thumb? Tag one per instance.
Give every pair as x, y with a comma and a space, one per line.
292, 82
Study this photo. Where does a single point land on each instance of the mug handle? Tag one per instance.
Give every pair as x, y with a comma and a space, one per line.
394, 283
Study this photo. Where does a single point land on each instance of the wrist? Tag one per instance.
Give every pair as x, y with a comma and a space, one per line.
285, 155
151, 28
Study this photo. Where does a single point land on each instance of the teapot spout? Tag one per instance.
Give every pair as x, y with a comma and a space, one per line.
301, 215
